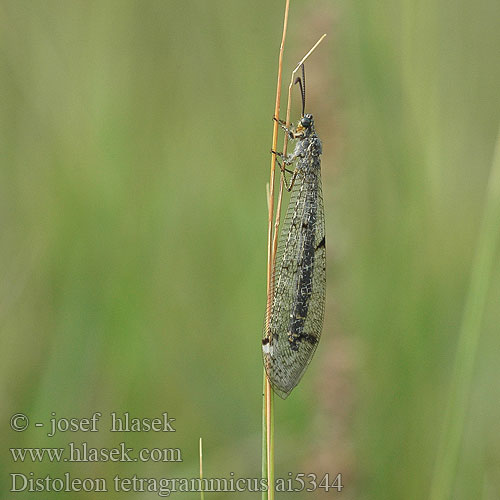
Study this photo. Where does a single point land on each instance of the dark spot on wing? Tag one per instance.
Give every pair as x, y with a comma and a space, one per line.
296, 339
311, 338
321, 244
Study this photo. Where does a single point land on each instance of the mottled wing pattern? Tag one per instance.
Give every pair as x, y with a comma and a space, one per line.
297, 308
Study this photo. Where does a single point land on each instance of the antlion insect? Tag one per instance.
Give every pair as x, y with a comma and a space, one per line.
294, 327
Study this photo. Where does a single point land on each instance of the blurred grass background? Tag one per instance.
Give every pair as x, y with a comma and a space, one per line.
135, 141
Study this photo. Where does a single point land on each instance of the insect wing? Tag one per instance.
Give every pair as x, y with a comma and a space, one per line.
297, 308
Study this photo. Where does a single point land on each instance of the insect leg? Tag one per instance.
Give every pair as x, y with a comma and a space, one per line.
282, 124
292, 180
286, 161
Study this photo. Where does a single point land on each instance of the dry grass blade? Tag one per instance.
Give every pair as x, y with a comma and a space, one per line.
267, 404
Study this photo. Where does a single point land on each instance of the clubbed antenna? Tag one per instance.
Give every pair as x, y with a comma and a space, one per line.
302, 84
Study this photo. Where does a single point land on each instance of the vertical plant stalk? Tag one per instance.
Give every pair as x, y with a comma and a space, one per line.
268, 396
202, 494
268, 413
470, 331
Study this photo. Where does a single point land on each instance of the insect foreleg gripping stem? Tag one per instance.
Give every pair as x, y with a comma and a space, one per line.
282, 124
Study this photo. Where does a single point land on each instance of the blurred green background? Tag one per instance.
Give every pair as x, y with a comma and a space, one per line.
135, 140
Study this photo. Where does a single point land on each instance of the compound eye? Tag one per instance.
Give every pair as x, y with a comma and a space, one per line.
306, 122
